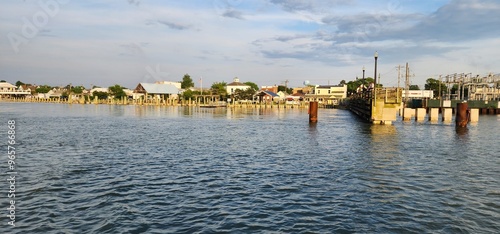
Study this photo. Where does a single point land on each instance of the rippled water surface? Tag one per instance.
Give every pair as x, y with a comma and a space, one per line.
131, 169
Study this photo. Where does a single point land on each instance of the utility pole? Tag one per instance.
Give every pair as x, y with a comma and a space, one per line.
399, 74
407, 83
439, 92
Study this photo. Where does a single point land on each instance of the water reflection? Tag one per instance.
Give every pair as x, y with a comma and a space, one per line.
384, 140
461, 131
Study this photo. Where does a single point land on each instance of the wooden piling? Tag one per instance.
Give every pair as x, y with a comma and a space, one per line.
313, 112
462, 115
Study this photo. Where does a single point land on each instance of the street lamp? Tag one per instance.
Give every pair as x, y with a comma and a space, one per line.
363, 75
375, 76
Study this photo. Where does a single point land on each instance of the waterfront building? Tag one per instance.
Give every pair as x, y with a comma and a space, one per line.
9, 90
236, 84
267, 96
155, 91
327, 94
273, 89
178, 85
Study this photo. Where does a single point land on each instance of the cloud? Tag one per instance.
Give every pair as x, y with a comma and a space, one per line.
173, 25
308, 5
395, 33
132, 49
231, 13
460, 20
134, 2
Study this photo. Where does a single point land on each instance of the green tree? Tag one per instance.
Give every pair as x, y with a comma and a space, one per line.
117, 91
3, 81
77, 89
187, 82
284, 89
187, 94
19, 83
246, 94
219, 88
100, 95
433, 84
353, 85
342, 82
414, 87
252, 85
43, 89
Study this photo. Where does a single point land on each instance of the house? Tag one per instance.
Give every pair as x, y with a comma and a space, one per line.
8, 89
303, 90
267, 96
155, 91
327, 94
236, 84
273, 89
334, 91
178, 85
99, 89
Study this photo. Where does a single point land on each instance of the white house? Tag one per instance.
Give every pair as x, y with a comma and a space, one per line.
178, 85
10, 89
156, 91
236, 84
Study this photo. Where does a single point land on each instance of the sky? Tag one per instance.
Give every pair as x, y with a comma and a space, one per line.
268, 42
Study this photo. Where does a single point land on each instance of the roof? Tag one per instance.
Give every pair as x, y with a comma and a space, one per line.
329, 86
7, 85
160, 88
237, 84
264, 92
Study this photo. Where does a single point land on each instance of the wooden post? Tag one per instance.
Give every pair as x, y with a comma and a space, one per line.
462, 115
313, 112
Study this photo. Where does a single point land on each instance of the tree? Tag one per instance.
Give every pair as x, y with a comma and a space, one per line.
246, 94
43, 89
414, 87
342, 82
100, 95
186, 95
219, 88
284, 89
19, 83
433, 84
3, 81
117, 91
353, 85
77, 89
187, 82
252, 85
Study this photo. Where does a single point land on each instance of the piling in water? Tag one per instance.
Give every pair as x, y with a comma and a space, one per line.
462, 115
313, 112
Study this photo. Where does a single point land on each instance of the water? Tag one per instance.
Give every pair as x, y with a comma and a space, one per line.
131, 169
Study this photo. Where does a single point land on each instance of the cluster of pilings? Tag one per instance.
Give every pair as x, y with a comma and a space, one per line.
444, 114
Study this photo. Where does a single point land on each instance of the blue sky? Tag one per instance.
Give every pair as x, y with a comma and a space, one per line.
58, 42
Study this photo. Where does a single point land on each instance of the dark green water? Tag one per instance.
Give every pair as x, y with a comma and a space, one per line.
127, 169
